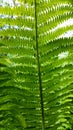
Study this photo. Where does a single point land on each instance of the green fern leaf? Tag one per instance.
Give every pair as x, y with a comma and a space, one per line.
36, 66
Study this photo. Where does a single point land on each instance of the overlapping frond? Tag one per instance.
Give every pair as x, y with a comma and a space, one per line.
36, 66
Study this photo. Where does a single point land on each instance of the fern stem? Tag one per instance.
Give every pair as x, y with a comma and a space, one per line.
39, 72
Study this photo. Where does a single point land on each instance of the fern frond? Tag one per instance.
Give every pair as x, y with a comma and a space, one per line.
36, 66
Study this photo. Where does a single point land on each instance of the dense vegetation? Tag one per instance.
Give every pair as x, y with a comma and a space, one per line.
36, 66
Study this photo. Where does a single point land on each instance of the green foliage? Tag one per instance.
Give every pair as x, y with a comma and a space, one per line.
36, 66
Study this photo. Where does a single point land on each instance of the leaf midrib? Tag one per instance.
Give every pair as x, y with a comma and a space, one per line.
39, 72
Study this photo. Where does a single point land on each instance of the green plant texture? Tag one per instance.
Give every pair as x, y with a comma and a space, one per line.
36, 66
